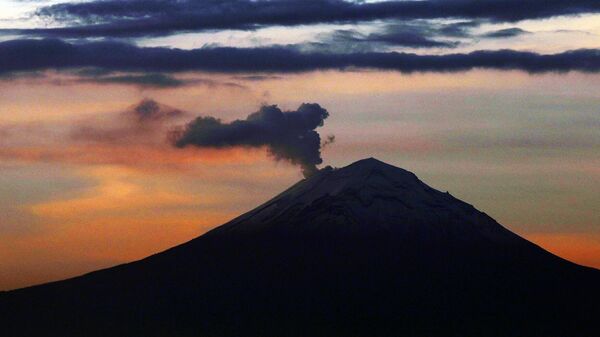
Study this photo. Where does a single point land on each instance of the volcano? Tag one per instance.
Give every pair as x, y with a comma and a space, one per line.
364, 250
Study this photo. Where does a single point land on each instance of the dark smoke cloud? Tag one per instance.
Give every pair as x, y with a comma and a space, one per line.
32, 55
288, 135
118, 18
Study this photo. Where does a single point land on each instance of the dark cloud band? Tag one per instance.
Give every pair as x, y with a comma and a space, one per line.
32, 55
114, 18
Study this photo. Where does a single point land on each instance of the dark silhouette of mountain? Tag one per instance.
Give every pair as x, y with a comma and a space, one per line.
365, 250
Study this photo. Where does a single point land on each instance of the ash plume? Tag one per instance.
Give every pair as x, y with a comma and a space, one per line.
143, 122
288, 135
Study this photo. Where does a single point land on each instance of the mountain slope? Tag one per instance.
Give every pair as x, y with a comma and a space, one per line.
365, 250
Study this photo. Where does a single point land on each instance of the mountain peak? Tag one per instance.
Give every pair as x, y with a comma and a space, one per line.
363, 250
366, 175
369, 161
366, 167
369, 196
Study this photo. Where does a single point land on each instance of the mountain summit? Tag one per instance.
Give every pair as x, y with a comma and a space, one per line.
364, 250
370, 196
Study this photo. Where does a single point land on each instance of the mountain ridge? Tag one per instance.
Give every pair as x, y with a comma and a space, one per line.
364, 250
365, 181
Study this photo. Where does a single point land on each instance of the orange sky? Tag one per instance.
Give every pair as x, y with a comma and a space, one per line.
521, 148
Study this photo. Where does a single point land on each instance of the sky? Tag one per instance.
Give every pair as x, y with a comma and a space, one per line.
128, 127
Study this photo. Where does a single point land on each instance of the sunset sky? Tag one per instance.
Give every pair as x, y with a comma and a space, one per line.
497, 102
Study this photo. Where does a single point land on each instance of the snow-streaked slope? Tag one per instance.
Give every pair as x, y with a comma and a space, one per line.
370, 195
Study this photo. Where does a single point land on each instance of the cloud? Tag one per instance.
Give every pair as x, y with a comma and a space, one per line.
151, 158
151, 80
288, 135
257, 78
136, 137
107, 77
32, 55
116, 18
145, 122
145, 80
150, 110
408, 37
458, 29
414, 34
506, 33
30, 75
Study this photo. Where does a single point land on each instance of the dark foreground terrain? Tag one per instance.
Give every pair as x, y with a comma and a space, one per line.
366, 250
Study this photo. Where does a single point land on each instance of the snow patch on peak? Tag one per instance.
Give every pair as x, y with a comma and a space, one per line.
369, 195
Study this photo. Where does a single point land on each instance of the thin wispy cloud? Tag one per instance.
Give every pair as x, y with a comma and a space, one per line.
144, 123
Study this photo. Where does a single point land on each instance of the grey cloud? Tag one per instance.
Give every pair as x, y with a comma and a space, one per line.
151, 80
506, 33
